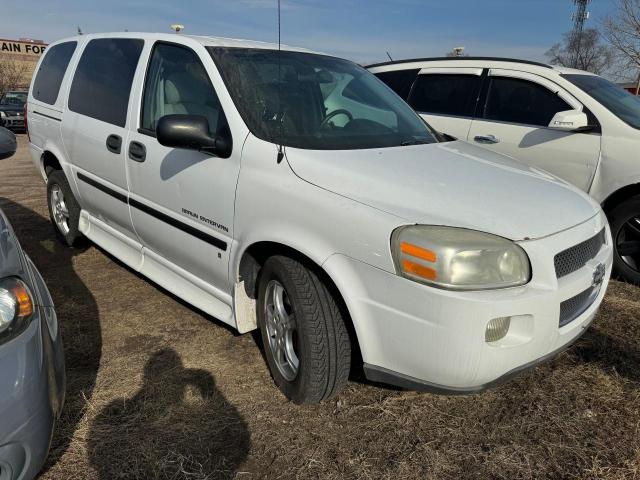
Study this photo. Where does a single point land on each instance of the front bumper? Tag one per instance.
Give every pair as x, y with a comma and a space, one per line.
13, 123
32, 383
432, 339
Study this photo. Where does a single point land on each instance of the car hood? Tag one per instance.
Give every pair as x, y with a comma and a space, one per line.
10, 107
454, 184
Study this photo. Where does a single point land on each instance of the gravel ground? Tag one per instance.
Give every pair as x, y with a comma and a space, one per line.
156, 389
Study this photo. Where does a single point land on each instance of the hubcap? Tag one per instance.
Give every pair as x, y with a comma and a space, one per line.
628, 243
59, 209
281, 330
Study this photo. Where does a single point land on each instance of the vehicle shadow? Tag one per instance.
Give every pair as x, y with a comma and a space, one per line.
77, 313
178, 425
610, 353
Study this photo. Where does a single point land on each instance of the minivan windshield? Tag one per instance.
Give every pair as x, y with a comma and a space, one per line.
14, 98
317, 102
617, 100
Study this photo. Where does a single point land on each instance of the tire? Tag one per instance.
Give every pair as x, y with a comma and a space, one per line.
319, 338
624, 220
57, 182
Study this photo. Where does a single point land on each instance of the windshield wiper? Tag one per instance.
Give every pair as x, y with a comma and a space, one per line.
406, 143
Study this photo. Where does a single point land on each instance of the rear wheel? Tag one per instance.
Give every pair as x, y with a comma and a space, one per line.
64, 210
305, 339
625, 230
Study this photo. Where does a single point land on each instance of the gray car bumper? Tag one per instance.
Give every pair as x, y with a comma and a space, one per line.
31, 396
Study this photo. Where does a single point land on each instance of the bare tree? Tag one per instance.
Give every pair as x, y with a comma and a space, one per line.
622, 30
584, 51
13, 75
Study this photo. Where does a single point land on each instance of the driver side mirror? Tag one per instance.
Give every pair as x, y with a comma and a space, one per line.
8, 144
570, 121
191, 132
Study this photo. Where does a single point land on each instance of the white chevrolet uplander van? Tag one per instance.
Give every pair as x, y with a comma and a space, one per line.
296, 193
572, 123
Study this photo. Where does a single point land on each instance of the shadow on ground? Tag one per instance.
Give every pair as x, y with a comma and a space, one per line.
77, 312
178, 425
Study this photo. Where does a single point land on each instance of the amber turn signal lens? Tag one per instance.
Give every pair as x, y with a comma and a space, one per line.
418, 252
25, 305
419, 270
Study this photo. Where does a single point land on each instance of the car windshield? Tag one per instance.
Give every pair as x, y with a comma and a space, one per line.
617, 100
14, 98
316, 102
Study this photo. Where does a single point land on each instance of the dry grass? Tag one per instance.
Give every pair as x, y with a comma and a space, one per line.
158, 390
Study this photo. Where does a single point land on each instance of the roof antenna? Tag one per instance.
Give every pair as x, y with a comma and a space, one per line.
389, 56
280, 147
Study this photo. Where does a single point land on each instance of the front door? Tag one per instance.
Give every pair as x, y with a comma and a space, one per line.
515, 118
182, 201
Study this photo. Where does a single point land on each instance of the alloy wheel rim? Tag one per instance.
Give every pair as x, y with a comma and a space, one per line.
628, 243
281, 330
59, 209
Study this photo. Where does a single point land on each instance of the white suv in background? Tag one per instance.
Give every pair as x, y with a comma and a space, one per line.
294, 192
571, 123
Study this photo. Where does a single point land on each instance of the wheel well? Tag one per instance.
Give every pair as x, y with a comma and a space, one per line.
257, 254
50, 162
619, 196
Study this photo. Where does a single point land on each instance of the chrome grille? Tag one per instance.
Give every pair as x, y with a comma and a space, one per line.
575, 306
576, 257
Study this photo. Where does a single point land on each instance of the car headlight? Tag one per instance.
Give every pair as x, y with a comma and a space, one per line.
16, 306
2, 114
458, 259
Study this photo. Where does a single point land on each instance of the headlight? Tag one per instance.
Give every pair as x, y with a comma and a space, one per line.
2, 114
458, 259
16, 306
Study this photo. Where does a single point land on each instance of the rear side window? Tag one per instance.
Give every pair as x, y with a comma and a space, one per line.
51, 72
520, 101
103, 78
399, 81
446, 94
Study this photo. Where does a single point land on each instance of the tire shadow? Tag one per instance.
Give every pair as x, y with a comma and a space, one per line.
77, 313
178, 425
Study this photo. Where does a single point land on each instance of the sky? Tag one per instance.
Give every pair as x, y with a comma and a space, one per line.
360, 30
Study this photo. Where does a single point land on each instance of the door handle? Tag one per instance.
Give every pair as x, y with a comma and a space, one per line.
114, 143
137, 152
487, 139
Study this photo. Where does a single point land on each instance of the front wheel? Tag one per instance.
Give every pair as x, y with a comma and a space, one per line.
305, 340
625, 230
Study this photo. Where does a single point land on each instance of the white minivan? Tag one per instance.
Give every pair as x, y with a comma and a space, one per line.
294, 192
572, 123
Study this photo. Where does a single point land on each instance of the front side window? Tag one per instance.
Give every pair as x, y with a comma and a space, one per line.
446, 94
177, 83
615, 99
51, 72
103, 78
514, 100
313, 101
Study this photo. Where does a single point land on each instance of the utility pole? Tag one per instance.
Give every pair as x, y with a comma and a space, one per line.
579, 19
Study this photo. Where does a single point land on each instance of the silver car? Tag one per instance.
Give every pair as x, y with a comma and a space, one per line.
32, 378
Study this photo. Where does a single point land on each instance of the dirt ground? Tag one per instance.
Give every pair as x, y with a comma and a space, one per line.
156, 389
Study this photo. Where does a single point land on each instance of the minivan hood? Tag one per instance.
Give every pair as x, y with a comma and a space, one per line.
454, 184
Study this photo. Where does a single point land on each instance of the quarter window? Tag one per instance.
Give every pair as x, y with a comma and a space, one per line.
399, 81
51, 72
446, 94
520, 101
102, 82
177, 83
